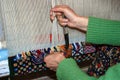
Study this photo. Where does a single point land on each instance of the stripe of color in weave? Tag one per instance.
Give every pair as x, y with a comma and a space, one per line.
32, 61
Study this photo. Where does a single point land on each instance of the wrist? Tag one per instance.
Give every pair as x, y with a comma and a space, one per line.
82, 23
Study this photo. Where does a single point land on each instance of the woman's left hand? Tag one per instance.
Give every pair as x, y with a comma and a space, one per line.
53, 59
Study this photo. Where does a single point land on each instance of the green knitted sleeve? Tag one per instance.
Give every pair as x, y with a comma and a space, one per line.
69, 70
102, 31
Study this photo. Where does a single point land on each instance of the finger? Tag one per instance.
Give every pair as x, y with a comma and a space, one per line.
53, 69
59, 8
52, 65
46, 58
51, 52
63, 24
61, 19
52, 17
58, 13
62, 53
53, 14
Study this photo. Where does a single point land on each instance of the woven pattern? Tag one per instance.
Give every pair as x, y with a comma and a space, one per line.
103, 56
32, 61
82, 52
106, 56
23, 66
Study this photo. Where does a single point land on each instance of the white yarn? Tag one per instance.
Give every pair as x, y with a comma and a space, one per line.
55, 39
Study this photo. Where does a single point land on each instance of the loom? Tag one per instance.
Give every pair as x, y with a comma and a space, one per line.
30, 35
28, 29
34, 28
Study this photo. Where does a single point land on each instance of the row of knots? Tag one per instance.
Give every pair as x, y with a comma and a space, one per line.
106, 56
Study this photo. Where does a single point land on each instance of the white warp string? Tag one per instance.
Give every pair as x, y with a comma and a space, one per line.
54, 40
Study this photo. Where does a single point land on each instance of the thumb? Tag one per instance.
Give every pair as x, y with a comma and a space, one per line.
51, 52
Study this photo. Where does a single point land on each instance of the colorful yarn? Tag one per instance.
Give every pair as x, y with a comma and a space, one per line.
33, 61
106, 56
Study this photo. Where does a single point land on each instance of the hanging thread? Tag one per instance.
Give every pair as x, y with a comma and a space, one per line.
54, 34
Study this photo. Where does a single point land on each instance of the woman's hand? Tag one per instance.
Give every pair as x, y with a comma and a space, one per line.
52, 61
72, 20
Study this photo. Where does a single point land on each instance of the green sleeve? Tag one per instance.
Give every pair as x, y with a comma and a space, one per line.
102, 31
68, 70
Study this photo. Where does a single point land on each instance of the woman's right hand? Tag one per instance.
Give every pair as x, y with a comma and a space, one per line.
72, 20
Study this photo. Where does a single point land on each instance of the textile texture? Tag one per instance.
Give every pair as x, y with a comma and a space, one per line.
103, 57
32, 61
